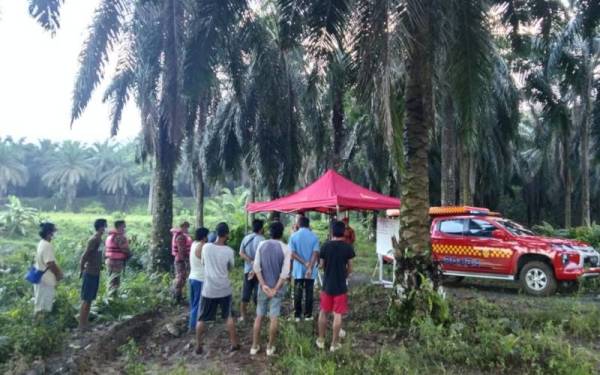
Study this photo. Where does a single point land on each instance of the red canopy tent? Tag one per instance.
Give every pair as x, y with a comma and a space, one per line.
329, 194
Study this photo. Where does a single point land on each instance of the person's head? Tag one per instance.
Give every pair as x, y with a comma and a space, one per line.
212, 237
338, 228
222, 230
120, 226
257, 225
185, 227
276, 230
100, 226
47, 230
201, 234
303, 222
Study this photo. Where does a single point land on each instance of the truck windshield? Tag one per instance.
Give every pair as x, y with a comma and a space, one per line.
515, 228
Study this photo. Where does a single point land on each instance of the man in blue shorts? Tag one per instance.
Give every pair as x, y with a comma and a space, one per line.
272, 268
218, 261
89, 266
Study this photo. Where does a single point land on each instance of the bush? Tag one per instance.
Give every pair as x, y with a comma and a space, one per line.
18, 220
93, 208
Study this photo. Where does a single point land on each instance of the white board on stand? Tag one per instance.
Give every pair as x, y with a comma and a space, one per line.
386, 229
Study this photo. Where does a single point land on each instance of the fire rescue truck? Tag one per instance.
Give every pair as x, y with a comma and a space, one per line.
475, 242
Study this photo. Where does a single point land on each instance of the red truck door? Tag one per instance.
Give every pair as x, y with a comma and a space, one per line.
450, 247
494, 254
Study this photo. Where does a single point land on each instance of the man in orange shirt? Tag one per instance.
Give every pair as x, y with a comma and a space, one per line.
349, 235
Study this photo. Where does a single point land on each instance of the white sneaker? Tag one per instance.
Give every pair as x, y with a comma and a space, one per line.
297, 320
320, 344
255, 350
335, 347
342, 333
308, 319
270, 351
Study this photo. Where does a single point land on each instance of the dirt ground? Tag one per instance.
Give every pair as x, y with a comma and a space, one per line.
165, 344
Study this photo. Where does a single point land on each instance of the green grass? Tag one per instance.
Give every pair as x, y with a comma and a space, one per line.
511, 334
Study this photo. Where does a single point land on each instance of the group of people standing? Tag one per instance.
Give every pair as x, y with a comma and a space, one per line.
206, 262
269, 264
116, 253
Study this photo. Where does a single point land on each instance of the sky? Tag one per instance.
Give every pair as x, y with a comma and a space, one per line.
37, 75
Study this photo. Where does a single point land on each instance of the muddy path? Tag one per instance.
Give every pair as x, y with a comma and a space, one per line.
163, 344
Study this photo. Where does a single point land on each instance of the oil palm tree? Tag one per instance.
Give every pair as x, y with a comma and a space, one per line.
161, 58
120, 180
13, 171
575, 53
68, 167
259, 126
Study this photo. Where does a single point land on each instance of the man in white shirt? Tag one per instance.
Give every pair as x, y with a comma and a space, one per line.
218, 261
45, 260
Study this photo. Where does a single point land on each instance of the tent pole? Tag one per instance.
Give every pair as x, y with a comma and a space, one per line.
246, 229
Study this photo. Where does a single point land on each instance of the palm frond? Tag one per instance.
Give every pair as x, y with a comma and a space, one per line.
118, 93
103, 33
470, 67
46, 13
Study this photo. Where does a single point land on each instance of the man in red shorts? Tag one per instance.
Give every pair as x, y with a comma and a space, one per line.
336, 262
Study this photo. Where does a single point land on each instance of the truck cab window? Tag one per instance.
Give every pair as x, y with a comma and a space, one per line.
453, 226
480, 228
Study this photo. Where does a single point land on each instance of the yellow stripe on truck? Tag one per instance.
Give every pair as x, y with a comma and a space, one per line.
473, 251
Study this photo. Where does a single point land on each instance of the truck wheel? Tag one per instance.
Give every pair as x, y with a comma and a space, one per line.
537, 279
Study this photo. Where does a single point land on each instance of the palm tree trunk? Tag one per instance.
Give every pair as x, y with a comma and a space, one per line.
448, 179
71, 193
585, 173
252, 196
417, 278
585, 149
567, 181
337, 122
414, 216
162, 213
466, 197
151, 194
199, 187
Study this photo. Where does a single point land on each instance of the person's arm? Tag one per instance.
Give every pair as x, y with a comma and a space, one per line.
243, 254
122, 244
258, 272
351, 255
85, 256
285, 271
230, 262
322, 259
55, 269
296, 257
314, 259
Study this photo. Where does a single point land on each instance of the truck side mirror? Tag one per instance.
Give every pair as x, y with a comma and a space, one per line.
499, 234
